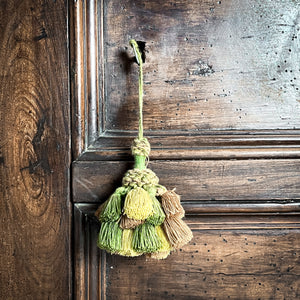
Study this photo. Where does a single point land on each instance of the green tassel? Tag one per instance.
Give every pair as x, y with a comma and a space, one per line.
158, 216
110, 237
145, 239
112, 208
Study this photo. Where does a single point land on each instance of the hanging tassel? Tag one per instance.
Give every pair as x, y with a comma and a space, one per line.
165, 243
177, 231
170, 201
99, 209
127, 223
158, 214
138, 204
112, 209
165, 249
145, 239
134, 221
127, 249
110, 237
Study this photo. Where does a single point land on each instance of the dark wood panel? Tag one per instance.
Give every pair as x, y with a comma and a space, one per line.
240, 180
215, 265
218, 263
209, 65
221, 102
86, 72
34, 151
248, 99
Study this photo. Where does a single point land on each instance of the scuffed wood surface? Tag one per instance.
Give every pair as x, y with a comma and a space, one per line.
34, 151
221, 71
210, 180
209, 64
217, 264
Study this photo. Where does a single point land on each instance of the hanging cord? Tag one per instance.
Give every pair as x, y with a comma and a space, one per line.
139, 59
140, 147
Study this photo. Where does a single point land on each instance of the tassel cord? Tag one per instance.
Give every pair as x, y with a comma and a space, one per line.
143, 144
141, 92
139, 59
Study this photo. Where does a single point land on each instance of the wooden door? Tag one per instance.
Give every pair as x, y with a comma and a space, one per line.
221, 112
222, 115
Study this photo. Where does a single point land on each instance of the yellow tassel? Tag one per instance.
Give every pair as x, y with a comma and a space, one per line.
127, 249
138, 204
165, 244
165, 249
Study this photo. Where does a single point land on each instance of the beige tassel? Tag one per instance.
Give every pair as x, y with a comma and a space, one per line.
177, 232
127, 223
159, 255
170, 202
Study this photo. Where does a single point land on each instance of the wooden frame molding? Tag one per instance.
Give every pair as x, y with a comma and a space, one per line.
214, 217
259, 180
92, 141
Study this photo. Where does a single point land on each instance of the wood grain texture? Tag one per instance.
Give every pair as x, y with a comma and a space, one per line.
208, 180
89, 273
217, 264
86, 72
225, 91
221, 264
221, 113
34, 151
209, 64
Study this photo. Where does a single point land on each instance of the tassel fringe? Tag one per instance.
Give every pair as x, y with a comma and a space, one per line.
112, 209
127, 223
138, 204
177, 231
127, 249
145, 239
110, 237
158, 214
170, 202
